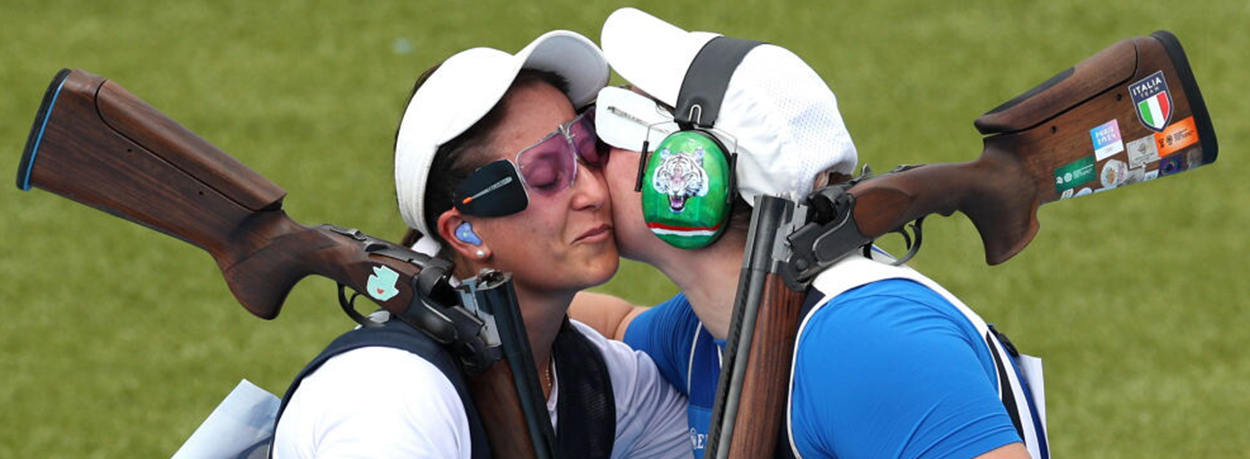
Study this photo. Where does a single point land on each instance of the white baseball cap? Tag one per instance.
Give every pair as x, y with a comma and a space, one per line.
465, 88
782, 115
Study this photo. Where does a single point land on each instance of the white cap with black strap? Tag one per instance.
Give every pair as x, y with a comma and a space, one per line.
782, 115
464, 89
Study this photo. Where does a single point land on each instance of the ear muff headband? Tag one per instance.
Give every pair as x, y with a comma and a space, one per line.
689, 182
707, 79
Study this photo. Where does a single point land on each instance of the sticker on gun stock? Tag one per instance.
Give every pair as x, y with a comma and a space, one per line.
1074, 174
1114, 173
381, 283
1142, 152
1106, 138
1176, 137
1137, 175
1171, 165
1152, 100
1193, 158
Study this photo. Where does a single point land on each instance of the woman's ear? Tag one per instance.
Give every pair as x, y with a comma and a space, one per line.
459, 234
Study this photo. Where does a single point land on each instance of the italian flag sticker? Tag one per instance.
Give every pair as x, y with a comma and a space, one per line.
1153, 102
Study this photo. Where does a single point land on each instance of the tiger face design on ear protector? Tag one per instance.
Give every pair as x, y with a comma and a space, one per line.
688, 183
686, 192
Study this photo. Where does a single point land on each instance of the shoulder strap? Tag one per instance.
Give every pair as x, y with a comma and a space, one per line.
587, 406
398, 335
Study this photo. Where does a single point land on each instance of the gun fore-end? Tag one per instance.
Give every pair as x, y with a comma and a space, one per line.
760, 340
507, 392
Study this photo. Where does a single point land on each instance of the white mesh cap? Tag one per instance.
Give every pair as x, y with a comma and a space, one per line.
782, 114
465, 88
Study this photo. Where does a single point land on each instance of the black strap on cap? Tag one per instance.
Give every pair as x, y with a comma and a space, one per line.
703, 89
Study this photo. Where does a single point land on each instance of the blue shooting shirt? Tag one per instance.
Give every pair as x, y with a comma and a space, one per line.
888, 369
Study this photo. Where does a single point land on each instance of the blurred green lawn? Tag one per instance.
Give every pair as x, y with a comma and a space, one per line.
117, 341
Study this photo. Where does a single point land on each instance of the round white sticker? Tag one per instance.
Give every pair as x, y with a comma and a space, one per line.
1114, 172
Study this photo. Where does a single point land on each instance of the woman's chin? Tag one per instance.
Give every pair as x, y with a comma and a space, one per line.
609, 270
599, 270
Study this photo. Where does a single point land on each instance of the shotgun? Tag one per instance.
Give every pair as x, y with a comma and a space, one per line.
1128, 114
96, 143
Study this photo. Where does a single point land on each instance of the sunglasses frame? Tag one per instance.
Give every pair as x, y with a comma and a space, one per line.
508, 175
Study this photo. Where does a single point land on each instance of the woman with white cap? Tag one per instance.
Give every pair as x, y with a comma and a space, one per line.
496, 167
887, 363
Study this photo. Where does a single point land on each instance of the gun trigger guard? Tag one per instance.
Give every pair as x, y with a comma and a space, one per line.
912, 249
349, 307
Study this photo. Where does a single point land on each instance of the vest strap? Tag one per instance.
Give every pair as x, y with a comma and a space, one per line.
854, 271
586, 407
586, 426
399, 335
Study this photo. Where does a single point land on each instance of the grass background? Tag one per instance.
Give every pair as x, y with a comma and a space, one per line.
117, 341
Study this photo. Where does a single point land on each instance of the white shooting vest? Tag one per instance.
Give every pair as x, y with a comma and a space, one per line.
855, 271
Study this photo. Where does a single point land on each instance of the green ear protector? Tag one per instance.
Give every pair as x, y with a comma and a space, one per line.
688, 184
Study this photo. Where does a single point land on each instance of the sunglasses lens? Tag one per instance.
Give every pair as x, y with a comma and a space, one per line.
591, 150
547, 167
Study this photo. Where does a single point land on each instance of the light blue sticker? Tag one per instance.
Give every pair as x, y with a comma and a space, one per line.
381, 283
1106, 140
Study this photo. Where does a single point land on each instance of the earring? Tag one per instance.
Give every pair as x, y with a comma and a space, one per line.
481, 253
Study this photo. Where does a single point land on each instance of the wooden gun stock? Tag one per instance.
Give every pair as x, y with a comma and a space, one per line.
98, 144
1080, 132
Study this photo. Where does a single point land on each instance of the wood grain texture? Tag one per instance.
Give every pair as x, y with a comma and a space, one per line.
1035, 138
499, 405
110, 150
765, 387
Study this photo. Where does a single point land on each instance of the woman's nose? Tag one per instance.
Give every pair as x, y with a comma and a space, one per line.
590, 191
